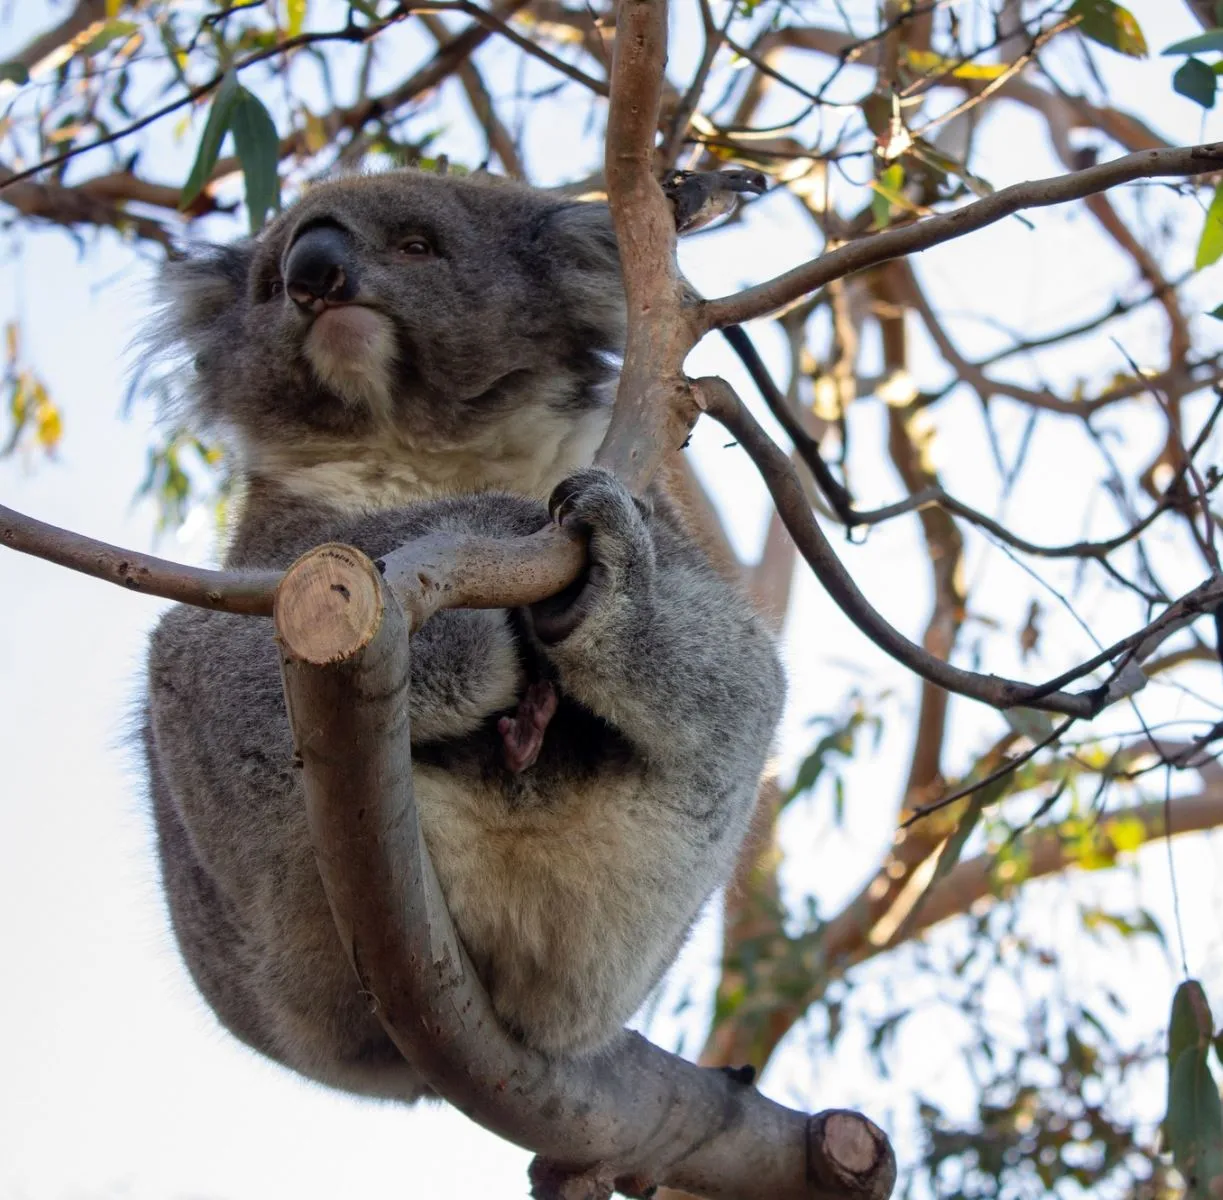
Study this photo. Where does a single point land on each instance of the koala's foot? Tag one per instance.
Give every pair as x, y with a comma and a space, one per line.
523, 733
596, 502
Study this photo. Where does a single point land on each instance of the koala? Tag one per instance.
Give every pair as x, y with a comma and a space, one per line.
402, 354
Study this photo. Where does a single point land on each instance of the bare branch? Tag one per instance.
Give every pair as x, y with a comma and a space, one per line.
768, 297
500, 142
719, 401
227, 591
71, 206
83, 15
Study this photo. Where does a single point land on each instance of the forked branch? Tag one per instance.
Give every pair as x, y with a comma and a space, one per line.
634, 1111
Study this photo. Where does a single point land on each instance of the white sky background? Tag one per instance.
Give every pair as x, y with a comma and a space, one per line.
114, 1078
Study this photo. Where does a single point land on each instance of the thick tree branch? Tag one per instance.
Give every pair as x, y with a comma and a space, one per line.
635, 1108
228, 591
654, 408
776, 293
1050, 852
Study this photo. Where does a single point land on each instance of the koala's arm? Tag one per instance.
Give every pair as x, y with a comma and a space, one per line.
659, 644
465, 663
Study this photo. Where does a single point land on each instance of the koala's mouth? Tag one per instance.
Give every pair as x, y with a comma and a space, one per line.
352, 349
349, 331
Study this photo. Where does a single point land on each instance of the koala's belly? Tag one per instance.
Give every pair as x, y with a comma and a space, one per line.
560, 898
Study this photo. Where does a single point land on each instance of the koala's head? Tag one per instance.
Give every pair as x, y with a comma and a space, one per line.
436, 326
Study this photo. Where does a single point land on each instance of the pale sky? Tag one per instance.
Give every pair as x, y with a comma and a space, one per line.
117, 1081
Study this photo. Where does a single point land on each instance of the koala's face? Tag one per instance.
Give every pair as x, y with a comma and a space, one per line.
400, 309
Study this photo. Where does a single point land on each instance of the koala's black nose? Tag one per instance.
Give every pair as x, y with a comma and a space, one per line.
321, 267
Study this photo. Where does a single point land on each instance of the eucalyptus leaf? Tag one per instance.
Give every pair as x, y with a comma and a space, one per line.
1210, 244
258, 148
1211, 40
215, 129
1106, 22
111, 31
1196, 81
1194, 1123
1190, 1025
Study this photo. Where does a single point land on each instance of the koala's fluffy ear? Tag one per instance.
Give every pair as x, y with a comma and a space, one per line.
203, 288
199, 307
581, 246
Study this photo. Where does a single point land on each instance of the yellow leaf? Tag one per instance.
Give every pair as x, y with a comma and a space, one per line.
12, 341
17, 404
112, 9
297, 15
1126, 833
929, 63
48, 424
316, 132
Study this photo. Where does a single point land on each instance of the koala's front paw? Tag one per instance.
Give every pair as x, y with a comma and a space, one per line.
621, 551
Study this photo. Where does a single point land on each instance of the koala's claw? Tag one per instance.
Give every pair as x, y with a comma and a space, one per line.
523, 733
595, 501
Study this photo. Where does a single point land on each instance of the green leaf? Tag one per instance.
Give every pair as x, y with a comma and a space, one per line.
1196, 81
1106, 22
14, 72
1210, 244
1190, 1025
888, 190
1217, 313
1211, 40
1195, 1123
1031, 722
215, 129
258, 148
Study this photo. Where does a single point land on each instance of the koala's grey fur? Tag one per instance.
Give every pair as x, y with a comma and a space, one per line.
484, 365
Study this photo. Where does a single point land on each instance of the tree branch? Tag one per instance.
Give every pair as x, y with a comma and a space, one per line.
654, 406
719, 401
227, 591
635, 1108
83, 15
776, 293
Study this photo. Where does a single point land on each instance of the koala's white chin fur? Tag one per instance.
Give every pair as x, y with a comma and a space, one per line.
352, 350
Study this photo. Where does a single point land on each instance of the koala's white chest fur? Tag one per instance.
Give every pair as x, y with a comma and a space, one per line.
552, 899
528, 453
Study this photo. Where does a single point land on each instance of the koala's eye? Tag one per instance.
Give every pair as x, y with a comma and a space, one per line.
269, 288
415, 246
